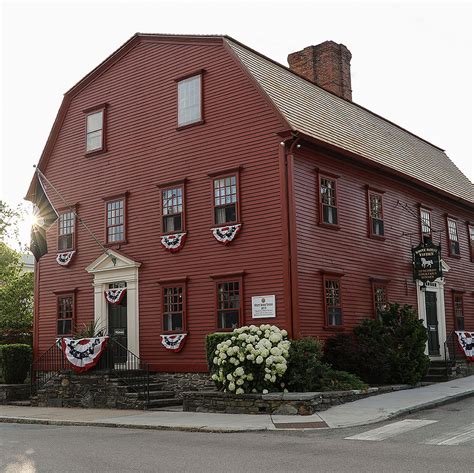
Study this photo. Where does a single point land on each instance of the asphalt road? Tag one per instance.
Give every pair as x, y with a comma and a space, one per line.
437, 440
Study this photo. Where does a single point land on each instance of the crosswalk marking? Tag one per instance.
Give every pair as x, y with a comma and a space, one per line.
391, 430
454, 438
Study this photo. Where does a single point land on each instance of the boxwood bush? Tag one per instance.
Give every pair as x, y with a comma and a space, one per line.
389, 350
15, 361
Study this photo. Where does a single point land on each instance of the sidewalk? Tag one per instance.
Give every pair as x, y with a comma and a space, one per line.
362, 412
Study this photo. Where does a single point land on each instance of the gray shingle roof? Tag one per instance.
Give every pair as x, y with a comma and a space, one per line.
319, 114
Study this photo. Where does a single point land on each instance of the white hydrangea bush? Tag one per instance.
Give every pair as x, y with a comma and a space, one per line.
253, 360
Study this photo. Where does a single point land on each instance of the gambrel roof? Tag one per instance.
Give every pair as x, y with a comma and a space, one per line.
324, 116
318, 114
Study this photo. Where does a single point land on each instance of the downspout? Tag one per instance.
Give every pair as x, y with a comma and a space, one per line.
290, 241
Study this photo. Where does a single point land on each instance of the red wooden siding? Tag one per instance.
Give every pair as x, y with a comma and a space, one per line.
145, 149
352, 253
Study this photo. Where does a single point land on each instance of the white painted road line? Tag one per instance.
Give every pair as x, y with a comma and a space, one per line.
391, 430
454, 438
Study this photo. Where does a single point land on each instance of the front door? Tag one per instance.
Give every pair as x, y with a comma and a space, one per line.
432, 323
117, 326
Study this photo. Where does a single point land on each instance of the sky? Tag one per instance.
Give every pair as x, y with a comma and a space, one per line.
411, 61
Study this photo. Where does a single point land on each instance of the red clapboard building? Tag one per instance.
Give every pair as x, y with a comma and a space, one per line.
228, 190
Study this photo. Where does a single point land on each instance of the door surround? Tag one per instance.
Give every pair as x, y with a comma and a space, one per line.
106, 271
438, 287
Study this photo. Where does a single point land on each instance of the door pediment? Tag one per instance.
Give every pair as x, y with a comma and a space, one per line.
112, 261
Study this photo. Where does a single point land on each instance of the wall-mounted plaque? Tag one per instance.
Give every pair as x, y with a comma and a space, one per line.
263, 307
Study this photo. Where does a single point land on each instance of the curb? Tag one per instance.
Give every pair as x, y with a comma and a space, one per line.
33, 421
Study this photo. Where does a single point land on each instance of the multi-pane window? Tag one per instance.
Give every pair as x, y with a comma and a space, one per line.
173, 308
376, 214
228, 304
380, 298
470, 229
458, 311
116, 221
425, 221
189, 100
328, 200
66, 231
172, 209
225, 200
453, 237
95, 131
65, 314
332, 299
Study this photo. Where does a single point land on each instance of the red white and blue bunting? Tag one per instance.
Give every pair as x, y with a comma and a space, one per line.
115, 296
173, 342
173, 243
466, 342
84, 353
64, 258
226, 234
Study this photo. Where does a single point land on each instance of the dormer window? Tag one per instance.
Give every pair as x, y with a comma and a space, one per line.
190, 100
95, 129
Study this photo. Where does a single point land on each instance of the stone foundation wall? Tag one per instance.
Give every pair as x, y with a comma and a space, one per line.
462, 369
14, 392
85, 390
275, 403
183, 382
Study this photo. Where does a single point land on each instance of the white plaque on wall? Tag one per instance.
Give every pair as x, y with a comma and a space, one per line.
263, 307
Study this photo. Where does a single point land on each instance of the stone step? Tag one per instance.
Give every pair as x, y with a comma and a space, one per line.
164, 402
140, 386
152, 395
19, 403
436, 378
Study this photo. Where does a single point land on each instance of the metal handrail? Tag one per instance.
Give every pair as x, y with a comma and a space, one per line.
450, 355
116, 360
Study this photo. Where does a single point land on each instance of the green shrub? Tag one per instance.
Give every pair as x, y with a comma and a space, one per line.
212, 340
334, 380
305, 368
15, 361
385, 351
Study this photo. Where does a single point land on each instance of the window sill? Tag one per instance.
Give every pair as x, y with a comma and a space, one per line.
377, 237
332, 226
454, 256
228, 224
225, 330
190, 125
174, 332
163, 234
95, 152
334, 328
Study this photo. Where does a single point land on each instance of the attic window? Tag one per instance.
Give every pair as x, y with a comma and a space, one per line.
190, 100
95, 129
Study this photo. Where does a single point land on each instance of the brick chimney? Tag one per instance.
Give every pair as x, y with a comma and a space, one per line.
328, 65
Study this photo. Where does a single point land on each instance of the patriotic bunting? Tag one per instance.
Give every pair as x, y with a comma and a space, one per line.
173, 342
115, 296
226, 234
466, 342
173, 243
64, 259
84, 353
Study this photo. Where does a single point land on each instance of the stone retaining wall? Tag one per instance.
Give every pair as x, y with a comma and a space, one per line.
84, 390
276, 403
14, 392
182, 382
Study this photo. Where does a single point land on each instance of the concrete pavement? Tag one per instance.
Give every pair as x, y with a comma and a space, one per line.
361, 412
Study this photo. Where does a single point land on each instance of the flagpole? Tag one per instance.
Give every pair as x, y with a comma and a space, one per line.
71, 208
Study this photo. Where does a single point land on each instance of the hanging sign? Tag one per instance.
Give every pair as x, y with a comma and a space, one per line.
115, 296
466, 342
64, 258
263, 307
173, 342
173, 243
226, 234
83, 353
427, 262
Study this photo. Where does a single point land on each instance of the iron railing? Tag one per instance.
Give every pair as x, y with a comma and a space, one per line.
450, 350
116, 361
